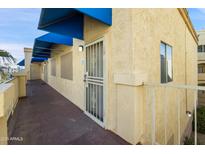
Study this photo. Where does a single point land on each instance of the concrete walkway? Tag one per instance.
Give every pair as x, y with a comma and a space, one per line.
46, 117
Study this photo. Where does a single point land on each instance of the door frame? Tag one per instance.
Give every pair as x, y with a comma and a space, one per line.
102, 124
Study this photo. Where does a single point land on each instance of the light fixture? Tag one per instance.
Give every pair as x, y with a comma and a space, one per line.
80, 48
188, 113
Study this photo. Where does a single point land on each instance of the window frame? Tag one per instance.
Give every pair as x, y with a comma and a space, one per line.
70, 52
201, 68
199, 49
53, 59
166, 70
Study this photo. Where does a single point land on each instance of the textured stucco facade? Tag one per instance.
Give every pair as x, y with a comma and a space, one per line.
131, 61
10, 92
35, 71
201, 57
28, 56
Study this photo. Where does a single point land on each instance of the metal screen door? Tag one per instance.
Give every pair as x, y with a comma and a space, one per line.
94, 81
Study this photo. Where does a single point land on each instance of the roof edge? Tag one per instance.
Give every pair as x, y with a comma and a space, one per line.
185, 15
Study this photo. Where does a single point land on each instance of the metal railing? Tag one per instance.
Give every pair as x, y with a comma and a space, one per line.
169, 111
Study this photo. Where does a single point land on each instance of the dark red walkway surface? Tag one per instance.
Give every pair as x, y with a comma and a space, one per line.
46, 117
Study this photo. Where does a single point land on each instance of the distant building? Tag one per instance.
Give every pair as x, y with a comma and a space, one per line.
201, 57
201, 65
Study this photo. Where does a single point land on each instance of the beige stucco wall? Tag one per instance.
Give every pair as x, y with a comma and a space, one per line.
9, 95
3, 131
201, 36
28, 56
32, 70
132, 47
201, 78
22, 79
42, 71
35, 71
201, 57
132, 57
7, 90
71, 89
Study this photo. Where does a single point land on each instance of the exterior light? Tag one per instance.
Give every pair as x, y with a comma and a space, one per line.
80, 48
188, 113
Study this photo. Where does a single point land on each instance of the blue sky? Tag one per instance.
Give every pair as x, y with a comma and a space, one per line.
18, 28
197, 16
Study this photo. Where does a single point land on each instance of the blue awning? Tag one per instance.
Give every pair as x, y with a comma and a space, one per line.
21, 63
69, 21
33, 59
38, 59
43, 44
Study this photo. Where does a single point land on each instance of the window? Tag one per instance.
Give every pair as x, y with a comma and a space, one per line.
53, 67
201, 48
166, 63
201, 69
67, 66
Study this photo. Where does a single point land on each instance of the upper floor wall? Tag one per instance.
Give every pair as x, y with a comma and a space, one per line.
201, 57
201, 36
133, 42
153, 26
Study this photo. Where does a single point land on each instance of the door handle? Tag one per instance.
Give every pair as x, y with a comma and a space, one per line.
85, 77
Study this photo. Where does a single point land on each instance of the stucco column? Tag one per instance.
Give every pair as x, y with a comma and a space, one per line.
21, 76
3, 131
28, 56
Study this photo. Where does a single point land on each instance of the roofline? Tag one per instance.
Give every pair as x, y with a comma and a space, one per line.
202, 30
185, 15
